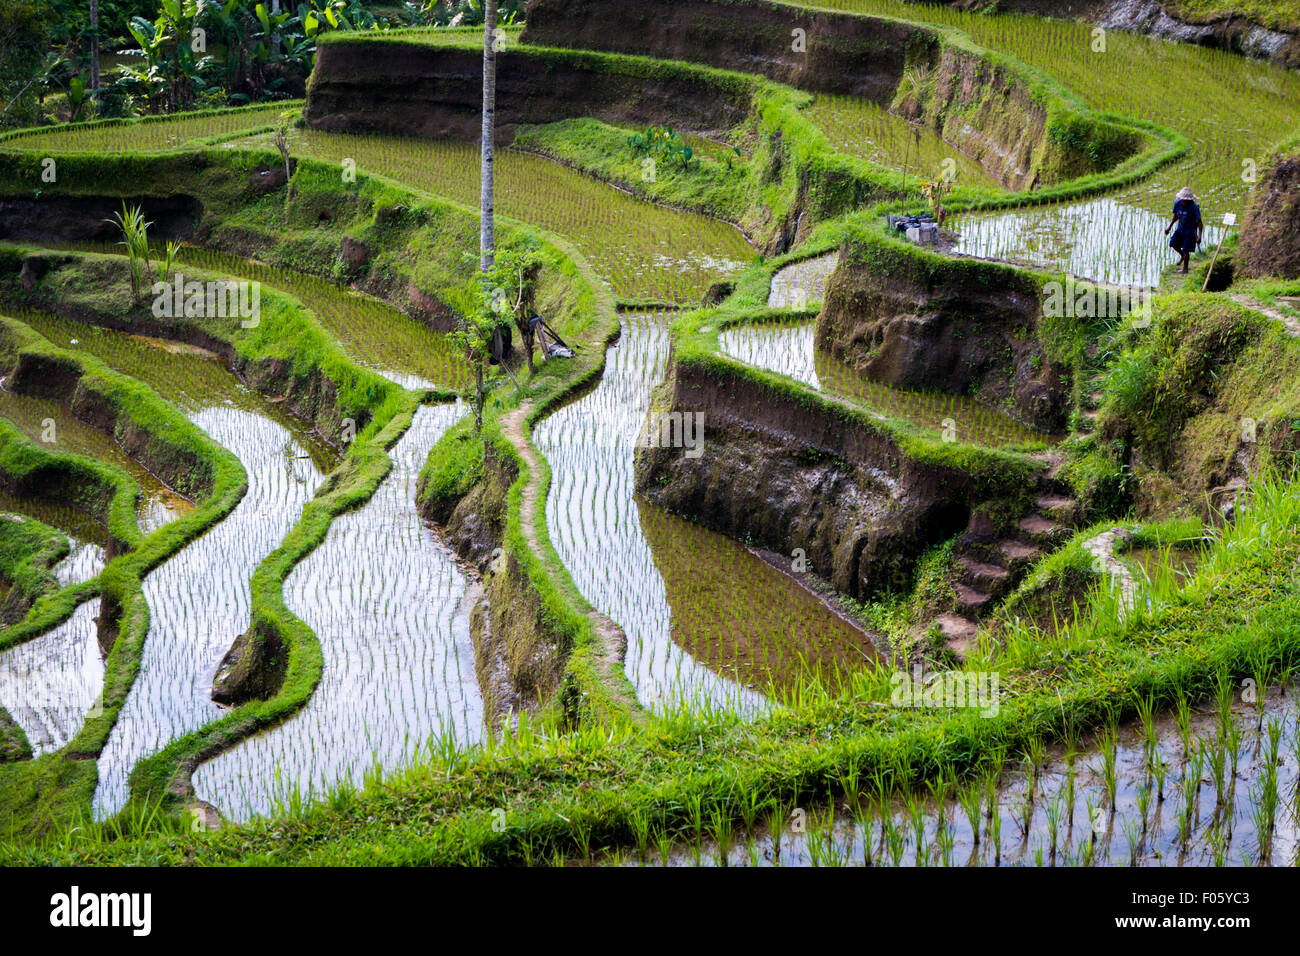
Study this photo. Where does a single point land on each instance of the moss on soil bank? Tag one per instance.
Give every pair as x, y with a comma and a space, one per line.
1199, 402
29, 550
1270, 236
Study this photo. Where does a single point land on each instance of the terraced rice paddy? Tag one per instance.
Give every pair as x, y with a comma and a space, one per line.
1231, 123
737, 615
49, 684
130, 137
787, 348
710, 625
1206, 787
85, 559
594, 521
86, 538
390, 607
408, 352
644, 252
188, 377
864, 129
803, 283
199, 601
41, 419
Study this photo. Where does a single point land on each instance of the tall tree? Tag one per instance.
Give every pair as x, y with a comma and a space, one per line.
94, 48
487, 238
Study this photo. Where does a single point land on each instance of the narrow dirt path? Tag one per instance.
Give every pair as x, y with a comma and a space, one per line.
1290, 323
1102, 548
612, 637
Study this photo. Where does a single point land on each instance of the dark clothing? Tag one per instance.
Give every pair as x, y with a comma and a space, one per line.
1188, 215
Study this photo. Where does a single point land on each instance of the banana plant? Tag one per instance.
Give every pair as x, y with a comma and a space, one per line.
77, 97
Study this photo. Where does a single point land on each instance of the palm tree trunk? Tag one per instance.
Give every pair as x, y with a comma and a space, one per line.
487, 239
94, 48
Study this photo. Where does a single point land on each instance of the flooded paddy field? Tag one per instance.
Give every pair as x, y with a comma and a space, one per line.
742, 618
803, 283
51, 425
1242, 109
408, 353
86, 537
595, 521
1216, 783
382, 593
390, 606
49, 684
191, 627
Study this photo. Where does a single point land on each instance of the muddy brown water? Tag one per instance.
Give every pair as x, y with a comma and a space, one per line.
1199, 822
390, 606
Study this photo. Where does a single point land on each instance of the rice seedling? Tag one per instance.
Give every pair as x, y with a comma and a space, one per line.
1160, 771
377, 565
1225, 695
1146, 714
1133, 834
1215, 754
722, 831
775, 828
995, 828
1262, 674
644, 252
1183, 721
169, 132
970, 797
862, 822
1109, 753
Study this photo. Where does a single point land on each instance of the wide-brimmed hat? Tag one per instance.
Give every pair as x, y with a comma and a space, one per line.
1186, 193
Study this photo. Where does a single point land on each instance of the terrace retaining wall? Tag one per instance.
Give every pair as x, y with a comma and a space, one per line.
846, 55
975, 103
784, 473
1270, 235
926, 323
417, 89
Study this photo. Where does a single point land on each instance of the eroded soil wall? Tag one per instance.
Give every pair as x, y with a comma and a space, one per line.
925, 323
414, 89
785, 473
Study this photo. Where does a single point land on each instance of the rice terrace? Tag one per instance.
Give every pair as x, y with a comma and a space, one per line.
654, 433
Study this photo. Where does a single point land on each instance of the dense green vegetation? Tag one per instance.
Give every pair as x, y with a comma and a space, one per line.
584, 769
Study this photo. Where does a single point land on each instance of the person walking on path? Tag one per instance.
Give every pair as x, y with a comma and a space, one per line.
1187, 217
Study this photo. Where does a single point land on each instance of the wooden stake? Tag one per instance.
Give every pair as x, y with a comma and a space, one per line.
1229, 220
